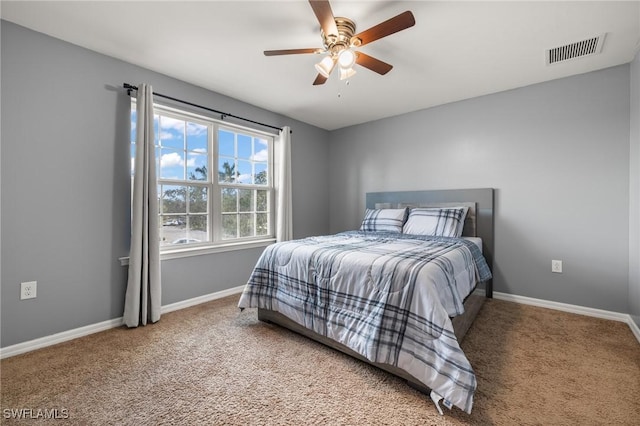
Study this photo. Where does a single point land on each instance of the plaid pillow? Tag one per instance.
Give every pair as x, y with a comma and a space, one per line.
438, 222
384, 220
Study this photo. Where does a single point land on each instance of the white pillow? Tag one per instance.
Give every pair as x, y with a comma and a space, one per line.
383, 220
438, 222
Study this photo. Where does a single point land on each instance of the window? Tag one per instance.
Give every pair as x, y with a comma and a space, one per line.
200, 208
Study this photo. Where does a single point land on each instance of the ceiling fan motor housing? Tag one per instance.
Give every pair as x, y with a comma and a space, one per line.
343, 40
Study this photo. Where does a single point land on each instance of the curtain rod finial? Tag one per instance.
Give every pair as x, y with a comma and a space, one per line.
129, 88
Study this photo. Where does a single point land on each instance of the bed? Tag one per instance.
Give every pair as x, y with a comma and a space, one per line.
401, 301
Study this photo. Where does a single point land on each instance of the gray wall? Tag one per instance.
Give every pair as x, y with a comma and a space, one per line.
557, 155
66, 189
634, 194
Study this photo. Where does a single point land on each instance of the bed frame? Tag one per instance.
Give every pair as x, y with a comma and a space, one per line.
479, 223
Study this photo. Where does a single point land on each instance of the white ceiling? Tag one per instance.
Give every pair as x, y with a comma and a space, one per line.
456, 50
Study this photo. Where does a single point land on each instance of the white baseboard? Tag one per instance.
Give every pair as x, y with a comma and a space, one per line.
634, 328
574, 309
201, 299
56, 338
64, 336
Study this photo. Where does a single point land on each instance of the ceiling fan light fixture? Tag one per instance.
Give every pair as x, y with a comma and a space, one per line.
346, 58
325, 66
340, 41
346, 73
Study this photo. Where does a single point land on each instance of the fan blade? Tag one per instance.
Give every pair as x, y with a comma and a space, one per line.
320, 79
290, 51
383, 29
372, 63
323, 12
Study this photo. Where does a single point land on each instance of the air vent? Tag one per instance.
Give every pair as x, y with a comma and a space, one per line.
578, 49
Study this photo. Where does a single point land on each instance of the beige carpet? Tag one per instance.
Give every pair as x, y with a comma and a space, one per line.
211, 364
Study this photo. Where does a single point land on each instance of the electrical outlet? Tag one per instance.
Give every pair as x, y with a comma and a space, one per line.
556, 266
28, 290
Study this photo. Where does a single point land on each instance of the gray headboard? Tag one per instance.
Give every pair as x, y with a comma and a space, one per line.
481, 198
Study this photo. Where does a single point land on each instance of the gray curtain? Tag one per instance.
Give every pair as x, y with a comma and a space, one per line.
284, 205
142, 300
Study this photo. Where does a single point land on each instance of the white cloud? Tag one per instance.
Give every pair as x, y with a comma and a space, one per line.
261, 155
246, 178
170, 160
196, 129
168, 123
166, 135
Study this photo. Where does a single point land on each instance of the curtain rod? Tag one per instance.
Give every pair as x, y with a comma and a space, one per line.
130, 87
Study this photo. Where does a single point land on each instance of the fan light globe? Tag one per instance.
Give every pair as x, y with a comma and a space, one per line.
325, 66
346, 73
346, 59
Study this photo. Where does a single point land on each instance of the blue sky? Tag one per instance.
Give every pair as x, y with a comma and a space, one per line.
251, 152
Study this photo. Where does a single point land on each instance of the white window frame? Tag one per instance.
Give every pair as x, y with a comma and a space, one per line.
216, 243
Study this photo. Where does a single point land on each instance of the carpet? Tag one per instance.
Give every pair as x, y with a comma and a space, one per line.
212, 364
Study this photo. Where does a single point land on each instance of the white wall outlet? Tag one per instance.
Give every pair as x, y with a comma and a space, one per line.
556, 266
28, 290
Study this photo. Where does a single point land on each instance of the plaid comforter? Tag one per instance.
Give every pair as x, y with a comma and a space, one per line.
386, 296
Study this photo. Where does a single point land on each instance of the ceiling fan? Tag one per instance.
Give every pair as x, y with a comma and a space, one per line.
340, 42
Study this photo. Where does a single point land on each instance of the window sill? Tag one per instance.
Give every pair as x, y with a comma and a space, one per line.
198, 251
